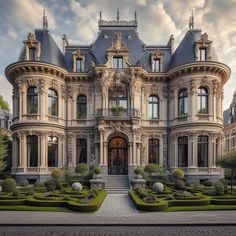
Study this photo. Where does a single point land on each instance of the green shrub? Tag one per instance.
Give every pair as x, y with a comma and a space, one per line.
8, 185
138, 170
151, 168
97, 170
223, 201
25, 183
199, 202
16, 193
208, 193
82, 169
179, 185
58, 185
50, 185
57, 173
218, 188
150, 199
207, 183
178, 174
38, 185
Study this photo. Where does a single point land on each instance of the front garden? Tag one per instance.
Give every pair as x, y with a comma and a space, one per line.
60, 193
165, 192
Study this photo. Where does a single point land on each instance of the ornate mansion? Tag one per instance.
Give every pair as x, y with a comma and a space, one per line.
117, 103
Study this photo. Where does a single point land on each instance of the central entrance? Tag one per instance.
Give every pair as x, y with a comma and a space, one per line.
117, 157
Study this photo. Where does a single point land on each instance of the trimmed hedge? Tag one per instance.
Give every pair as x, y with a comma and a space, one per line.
46, 203
142, 206
94, 205
200, 202
13, 202
223, 201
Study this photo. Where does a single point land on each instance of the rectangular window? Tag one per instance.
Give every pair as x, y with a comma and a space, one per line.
156, 65
79, 65
117, 62
203, 54
32, 54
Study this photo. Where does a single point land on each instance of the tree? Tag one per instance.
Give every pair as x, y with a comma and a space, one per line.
3, 153
228, 161
4, 104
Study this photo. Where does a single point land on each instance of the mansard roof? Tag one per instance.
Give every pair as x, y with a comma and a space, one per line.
228, 116
139, 54
185, 52
50, 52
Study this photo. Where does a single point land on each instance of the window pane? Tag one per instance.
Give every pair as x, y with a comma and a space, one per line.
156, 65
81, 107
117, 62
202, 151
81, 147
123, 103
183, 151
153, 151
203, 54
32, 150
32, 54
52, 151
32, 100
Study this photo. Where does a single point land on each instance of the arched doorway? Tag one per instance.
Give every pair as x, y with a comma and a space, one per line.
117, 157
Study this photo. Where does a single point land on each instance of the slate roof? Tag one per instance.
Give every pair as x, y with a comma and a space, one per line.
139, 53
50, 52
227, 116
185, 51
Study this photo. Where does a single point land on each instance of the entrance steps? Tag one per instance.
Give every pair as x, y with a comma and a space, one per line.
117, 184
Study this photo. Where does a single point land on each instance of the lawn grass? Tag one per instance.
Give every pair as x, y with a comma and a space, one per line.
201, 208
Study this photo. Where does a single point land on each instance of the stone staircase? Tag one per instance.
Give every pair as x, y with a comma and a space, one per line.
117, 184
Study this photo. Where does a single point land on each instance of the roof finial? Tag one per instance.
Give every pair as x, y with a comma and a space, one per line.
45, 21
135, 16
118, 14
100, 15
191, 21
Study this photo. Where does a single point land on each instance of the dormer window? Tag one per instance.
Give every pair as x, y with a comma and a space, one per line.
156, 65
79, 65
203, 54
32, 54
157, 57
117, 62
78, 61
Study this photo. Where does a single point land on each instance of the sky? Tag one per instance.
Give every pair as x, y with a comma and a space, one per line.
157, 20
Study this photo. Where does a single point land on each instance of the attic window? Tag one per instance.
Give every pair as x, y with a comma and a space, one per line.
32, 54
117, 62
156, 65
203, 54
80, 65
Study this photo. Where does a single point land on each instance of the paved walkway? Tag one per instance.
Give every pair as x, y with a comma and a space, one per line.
118, 209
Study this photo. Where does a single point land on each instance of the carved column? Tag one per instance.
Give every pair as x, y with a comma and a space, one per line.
105, 153
161, 151
43, 150
175, 153
134, 151
43, 102
23, 147
138, 146
23, 102
130, 153
101, 146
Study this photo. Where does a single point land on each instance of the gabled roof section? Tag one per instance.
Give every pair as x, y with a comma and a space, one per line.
50, 52
185, 52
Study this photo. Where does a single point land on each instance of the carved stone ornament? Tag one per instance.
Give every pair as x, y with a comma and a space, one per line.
78, 53
32, 42
117, 44
157, 54
117, 126
42, 86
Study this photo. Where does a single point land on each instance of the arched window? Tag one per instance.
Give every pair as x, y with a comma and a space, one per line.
81, 107
32, 150
183, 151
202, 151
32, 100
153, 107
183, 102
202, 100
118, 101
81, 150
153, 151
52, 102
52, 151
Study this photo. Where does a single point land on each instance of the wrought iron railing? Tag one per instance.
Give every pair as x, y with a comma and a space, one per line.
121, 113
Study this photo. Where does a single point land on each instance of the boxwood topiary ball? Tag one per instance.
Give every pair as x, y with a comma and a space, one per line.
158, 187
8, 185
77, 186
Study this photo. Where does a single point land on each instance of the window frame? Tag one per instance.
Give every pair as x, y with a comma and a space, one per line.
32, 97
52, 143
80, 105
201, 97
152, 104
80, 62
203, 57
83, 153
52, 98
183, 146
183, 102
32, 151
155, 62
118, 62
151, 147
203, 151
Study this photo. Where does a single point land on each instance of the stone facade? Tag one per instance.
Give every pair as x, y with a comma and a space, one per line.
118, 137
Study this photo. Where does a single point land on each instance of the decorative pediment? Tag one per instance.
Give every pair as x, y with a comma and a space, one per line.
157, 54
32, 43
203, 43
78, 54
31, 40
117, 44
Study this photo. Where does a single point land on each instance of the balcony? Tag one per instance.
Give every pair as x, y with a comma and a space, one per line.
117, 113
